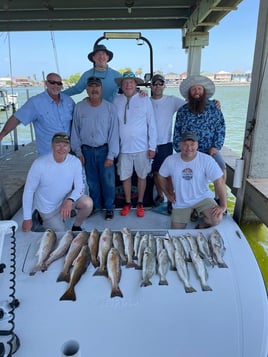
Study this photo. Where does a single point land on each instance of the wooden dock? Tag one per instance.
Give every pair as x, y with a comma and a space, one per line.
14, 168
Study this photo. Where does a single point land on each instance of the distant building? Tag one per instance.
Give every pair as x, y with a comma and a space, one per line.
223, 76
22, 81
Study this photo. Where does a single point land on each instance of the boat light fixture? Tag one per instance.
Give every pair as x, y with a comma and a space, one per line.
122, 35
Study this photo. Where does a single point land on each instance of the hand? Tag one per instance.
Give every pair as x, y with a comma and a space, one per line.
151, 154
108, 163
212, 151
218, 104
142, 93
66, 209
27, 225
82, 159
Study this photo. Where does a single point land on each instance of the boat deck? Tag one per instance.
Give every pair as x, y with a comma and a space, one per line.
230, 320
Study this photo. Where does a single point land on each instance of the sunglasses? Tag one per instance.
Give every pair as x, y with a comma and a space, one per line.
129, 75
160, 84
59, 83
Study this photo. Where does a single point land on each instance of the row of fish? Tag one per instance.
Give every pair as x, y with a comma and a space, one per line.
109, 250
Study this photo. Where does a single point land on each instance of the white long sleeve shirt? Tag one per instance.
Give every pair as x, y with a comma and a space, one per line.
49, 182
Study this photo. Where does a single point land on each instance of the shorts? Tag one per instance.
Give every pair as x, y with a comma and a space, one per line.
53, 220
162, 152
139, 161
183, 215
219, 159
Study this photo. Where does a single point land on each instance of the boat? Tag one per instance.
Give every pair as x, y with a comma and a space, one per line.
229, 320
8, 100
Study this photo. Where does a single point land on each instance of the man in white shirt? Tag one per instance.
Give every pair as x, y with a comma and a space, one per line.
54, 186
191, 173
138, 138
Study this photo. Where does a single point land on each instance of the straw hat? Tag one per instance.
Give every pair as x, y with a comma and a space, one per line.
203, 81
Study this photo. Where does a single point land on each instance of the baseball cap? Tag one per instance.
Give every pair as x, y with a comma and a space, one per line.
93, 80
189, 135
61, 138
158, 77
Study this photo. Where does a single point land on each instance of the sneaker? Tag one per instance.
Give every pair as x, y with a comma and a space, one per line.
158, 200
169, 207
140, 210
109, 214
76, 228
125, 210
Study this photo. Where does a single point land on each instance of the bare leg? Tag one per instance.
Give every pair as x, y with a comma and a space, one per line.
141, 189
127, 189
84, 207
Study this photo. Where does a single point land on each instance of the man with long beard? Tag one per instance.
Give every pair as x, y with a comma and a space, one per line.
201, 116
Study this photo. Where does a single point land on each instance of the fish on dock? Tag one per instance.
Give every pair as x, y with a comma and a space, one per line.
142, 246
200, 269
114, 271
46, 246
163, 266
129, 247
75, 248
80, 264
168, 244
183, 272
118, 243
148, 266
62, 248
137, 239
93, 244
217, 248
105, 245
203, 248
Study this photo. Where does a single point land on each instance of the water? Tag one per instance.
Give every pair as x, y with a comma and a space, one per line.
234, 103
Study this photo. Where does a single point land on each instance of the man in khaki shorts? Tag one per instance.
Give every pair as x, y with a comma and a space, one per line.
191, 173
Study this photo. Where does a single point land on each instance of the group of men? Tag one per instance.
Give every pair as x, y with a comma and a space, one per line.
132, 127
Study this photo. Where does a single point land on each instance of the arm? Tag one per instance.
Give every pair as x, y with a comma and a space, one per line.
177, 133
220, 188
10, 125
167, 188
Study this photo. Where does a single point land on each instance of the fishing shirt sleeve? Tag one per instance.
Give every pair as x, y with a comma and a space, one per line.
113, 133
81, 85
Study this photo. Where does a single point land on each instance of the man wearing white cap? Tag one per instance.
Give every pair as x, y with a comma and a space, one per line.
201, 116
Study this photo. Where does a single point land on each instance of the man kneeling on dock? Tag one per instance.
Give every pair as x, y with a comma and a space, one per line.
54, 186
191, 173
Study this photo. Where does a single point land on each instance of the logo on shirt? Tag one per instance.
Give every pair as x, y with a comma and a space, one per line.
187, 174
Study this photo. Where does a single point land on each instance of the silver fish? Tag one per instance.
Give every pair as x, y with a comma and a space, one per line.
200, 269
80, 266
217, 247
62, 248
168, 244
178, 246
46, 246
105, 245
129, 247
203, 248
148, 266
137, 239
159, 246
192, 242
114, 271
93, 244
186, 246
183, 273
152, 243
75, 248
142, 246
118, 243
163, 266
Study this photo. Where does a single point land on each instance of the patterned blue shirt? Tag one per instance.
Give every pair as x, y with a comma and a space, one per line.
208, 125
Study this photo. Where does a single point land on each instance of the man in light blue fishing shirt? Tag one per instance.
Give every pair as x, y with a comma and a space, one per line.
50, 112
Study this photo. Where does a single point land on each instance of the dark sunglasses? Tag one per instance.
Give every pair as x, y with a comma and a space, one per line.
160, 84
129, 75
59, 83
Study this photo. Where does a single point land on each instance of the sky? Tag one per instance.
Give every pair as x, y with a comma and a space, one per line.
231, 47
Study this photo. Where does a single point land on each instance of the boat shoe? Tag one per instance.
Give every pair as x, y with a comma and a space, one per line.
140, 210
125, 210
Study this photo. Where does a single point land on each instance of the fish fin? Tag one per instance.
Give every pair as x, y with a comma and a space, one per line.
100, 272
64, 277
69, 294
36, 268
206, 288
146, 283
163, 282
222, 265
189, 289
116, 292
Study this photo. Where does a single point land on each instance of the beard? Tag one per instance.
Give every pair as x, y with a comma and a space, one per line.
197, 105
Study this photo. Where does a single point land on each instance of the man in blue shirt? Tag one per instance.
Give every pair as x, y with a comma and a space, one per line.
50, 112
100, 57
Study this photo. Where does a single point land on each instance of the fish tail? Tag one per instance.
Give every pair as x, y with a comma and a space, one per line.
116, 292
163, 282
69, 294
100, 272
222, 265
146, 283
64, 277
206, 287
95, 263
189, 289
